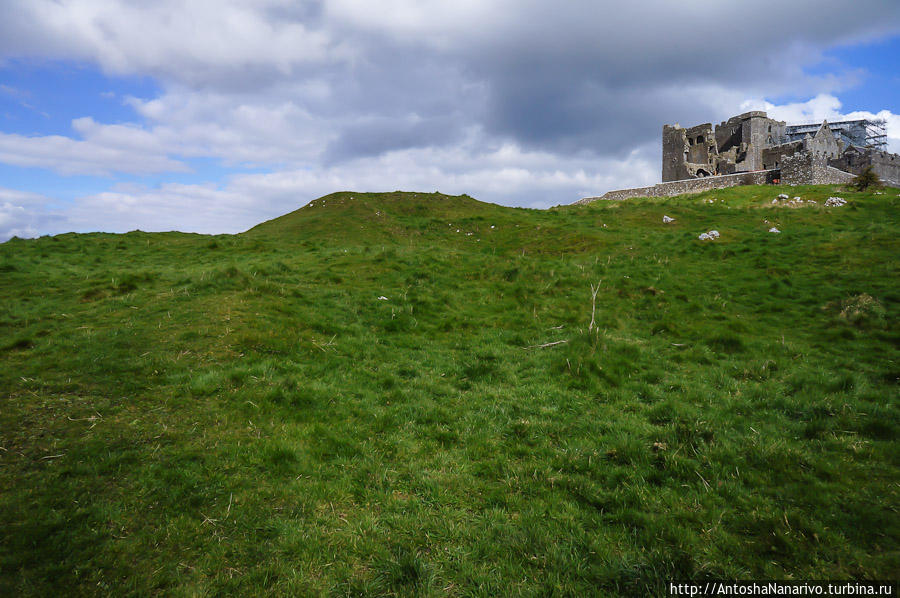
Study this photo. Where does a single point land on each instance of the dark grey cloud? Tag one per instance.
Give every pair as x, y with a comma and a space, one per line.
588, 77
567, 77
585, 78
381, 135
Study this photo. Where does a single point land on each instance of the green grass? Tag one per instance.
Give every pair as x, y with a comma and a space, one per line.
194, 415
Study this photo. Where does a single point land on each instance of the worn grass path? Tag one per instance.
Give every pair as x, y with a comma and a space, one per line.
398, 394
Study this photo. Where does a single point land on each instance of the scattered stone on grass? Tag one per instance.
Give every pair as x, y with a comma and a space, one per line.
795, 202
709, 236
833, 202
667, 220
774, 230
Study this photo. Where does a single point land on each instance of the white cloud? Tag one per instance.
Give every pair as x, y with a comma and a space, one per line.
21, 214
105, 149
15, 221
198, 41
268, 129
814, 110
21, 197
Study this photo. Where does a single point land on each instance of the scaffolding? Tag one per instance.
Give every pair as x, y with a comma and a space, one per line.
876, 134
864, 133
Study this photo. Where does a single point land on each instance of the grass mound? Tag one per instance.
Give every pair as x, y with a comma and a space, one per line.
419, 394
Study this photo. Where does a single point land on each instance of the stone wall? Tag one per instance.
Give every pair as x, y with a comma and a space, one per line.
674, 151
688, 153
804, 168
885, 165
823, 144
772, 157
672, 188
757, 134
701, 151
741, 139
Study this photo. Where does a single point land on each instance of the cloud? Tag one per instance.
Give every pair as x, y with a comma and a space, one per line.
568, 77
523, 102
534, 71
23, 214
261, 130
203, 42
105, 149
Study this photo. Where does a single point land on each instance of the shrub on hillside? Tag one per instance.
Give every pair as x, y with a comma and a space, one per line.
867, 178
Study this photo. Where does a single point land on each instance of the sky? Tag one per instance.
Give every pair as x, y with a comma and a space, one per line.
211, 116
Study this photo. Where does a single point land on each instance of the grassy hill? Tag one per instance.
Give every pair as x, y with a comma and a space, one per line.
403, 393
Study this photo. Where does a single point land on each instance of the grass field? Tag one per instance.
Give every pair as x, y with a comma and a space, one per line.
403, 394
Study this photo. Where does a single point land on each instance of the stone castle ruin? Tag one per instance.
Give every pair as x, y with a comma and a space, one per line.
753, 149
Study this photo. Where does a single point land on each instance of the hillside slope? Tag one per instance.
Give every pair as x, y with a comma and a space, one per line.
409, 393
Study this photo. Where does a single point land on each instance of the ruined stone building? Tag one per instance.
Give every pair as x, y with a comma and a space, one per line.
752, 141
753, 149
733, 146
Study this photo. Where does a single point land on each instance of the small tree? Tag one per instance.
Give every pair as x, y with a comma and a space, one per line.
867, 178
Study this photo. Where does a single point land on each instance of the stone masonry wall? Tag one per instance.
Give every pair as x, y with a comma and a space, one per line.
885, 165
674, 142
772, 157
672, 188
824, 144
804, 168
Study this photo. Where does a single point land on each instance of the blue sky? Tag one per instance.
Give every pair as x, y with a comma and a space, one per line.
871, 79
212, 116
877, 62
42, 97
